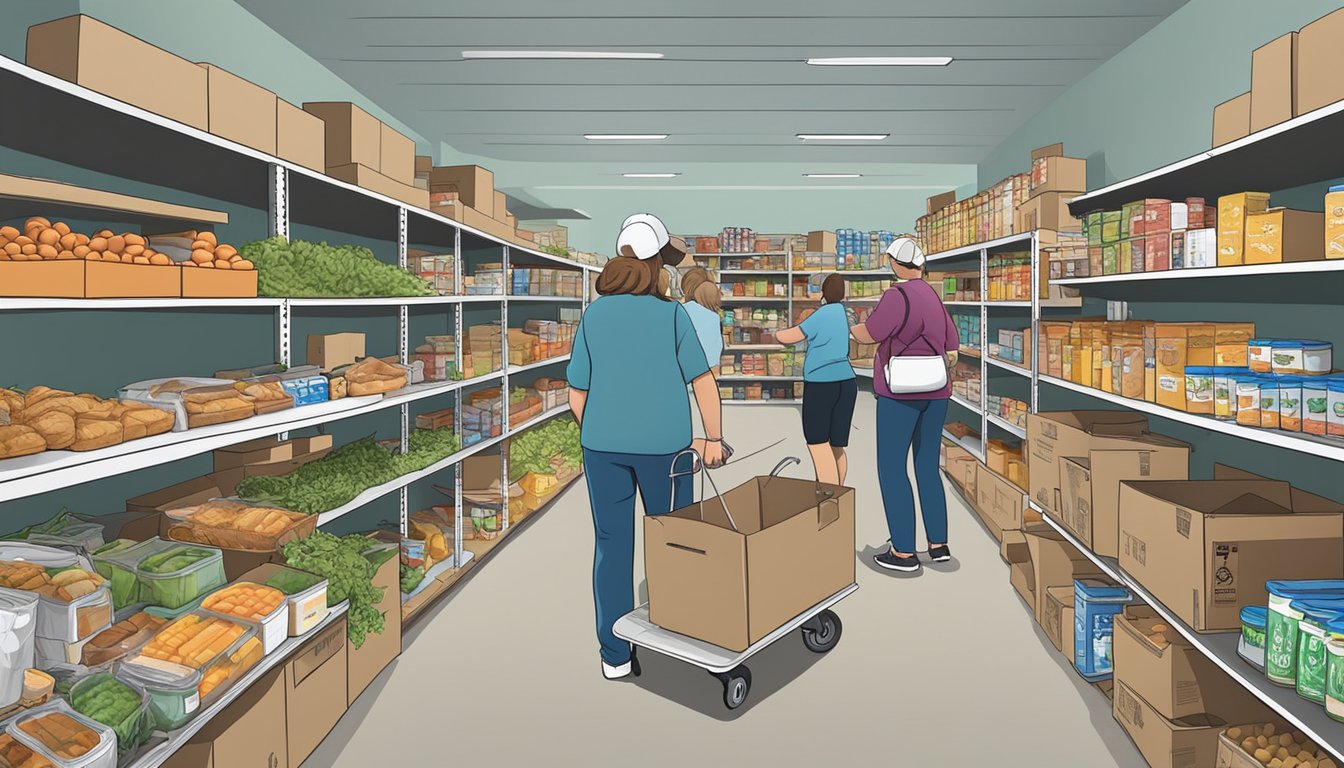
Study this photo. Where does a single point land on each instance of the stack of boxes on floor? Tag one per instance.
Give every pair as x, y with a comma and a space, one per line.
1123, 493
1037, 200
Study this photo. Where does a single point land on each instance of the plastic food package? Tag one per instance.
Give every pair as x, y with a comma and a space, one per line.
37, 688
117, 704
116, 563
256, 604
72, 619
18, 619
194, 402
372, 376
173, 691
47, 558
63, 531
121, 639
51, 653
305, 595
267, 394
234, 525
65, 737
15, 754
177, 575
221, 649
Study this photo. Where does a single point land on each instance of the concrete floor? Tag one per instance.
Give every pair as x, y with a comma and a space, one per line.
505, 672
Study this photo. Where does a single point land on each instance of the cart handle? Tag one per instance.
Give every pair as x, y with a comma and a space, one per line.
786, 461
697, 467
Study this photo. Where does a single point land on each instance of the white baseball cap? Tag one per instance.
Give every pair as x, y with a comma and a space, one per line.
636, 231
906, 252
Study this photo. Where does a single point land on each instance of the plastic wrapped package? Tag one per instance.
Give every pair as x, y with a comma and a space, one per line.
173, 691
121, 639
267, 394
65, 737
64, 531
77, 604
116, 703
47, 558
195, 402
178, 575
116, 563
221, 649
305, 595
258, 605
15, 754
51, 653
18, 619
235, 525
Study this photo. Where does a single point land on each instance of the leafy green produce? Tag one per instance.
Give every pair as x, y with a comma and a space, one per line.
292, 582
348, 471
349, 576
411, 578
533, 450
555, 250
379, 554
517, 395
173, 560
301, 268
115, 704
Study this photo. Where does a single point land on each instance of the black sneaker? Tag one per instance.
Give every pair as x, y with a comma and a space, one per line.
940, 553
893, 563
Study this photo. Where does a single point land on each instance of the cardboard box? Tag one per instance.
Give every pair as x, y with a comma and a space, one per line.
1232, 120
332, 350
374, 181
315, 690
1048, 210
1020, 573
1090, 486
1056, 173
1000, 503
100, 57
1319, 60
1179, 345
1013, 547
251, 731
1273, 83
1055, 562
368, 661
218, 283
1057, 618
300, 137
1282, 234
1229, 343
105, 280
501, 207
353, 136
821, 241
1184, 743
1232, 213
1206, 548
475, 219
239, 110
1177, 680
197, 490
475, 186
396, 156
933, 205
733, 587
424, 164
261, 451
1051, 436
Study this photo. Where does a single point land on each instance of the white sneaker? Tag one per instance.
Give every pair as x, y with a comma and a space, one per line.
617, 672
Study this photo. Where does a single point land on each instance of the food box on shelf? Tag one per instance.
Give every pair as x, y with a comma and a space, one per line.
220, 649
300, 137
1187, 741
370, 179
474, 186
65, 737
1232, 119
200, 283
78, 279
316, 683
240, 110
260, 451
305, 594
1239, 747
194, 402
1274, 82
121, 639
352, 135
363, 664
105, 59
396, 158
263, 607
119, 704
234, 525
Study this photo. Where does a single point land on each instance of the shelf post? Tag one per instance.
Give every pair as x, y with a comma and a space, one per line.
1035, 319
283, 351
504, 398
278, 201
984, 352
458, 266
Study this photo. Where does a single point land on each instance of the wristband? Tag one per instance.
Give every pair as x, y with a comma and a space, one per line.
713, 439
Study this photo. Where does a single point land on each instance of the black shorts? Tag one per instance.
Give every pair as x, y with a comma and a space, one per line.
828, 409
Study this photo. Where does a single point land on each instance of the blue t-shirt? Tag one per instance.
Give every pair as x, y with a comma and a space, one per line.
709, 327
634, 355
827, 332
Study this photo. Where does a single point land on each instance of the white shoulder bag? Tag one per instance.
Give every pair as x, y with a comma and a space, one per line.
913, 374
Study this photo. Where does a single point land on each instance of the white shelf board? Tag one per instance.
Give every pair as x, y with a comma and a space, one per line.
161, 753
738, 254
763, 402
516, 369
1293, 441
964, 403
438, 569
1244, 270
975, 248
962, 303
1007, 366
766, 272
11, 304
972, 444
1007, 426
484, 378
756, 299
866, 373
992, 304
845, 272
539, 418
1221, 649
548, 299
755, 348
970, 352
740, 377
52, 470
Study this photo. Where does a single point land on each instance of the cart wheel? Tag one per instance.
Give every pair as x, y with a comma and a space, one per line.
634, 664
825, 634
736, 686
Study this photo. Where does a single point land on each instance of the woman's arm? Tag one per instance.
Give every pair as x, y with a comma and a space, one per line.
792, 335
860, 333
707, 398
578, 398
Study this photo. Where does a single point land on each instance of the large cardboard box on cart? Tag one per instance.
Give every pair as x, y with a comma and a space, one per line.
793, 547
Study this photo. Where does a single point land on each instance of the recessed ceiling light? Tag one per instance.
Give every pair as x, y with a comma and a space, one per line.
843, 136
882, 61
559, 55
832, 175
650, 175
625, 136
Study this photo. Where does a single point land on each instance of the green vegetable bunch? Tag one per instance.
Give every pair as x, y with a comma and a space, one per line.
533, 450
555, 250
411, 578
349, 576
304, 269
343, 474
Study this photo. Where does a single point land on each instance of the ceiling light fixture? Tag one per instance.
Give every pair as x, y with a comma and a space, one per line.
650, 175
625, 136
843, 136
832, 175
506, 55
882, 61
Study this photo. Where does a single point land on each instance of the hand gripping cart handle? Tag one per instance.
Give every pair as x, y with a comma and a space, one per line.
819, 625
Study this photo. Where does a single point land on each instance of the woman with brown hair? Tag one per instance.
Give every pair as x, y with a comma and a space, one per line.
829, 387
635, 352
704, 301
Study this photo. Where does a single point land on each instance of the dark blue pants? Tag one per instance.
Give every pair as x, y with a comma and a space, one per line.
612, 480
902, 425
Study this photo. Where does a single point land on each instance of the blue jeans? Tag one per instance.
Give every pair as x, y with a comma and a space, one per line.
901, 425
612, 479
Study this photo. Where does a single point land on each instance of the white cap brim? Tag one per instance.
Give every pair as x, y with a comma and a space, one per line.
906, 252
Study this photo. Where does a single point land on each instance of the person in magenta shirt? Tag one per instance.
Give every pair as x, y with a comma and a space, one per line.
910, 320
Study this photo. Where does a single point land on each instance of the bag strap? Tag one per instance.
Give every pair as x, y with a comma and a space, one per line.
905, 320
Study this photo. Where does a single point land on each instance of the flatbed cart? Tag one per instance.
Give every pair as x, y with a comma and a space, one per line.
819, 626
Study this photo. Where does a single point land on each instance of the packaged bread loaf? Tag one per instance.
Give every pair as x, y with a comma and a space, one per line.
94, 433
20, 440
139, 420
194, 402
265, 395
231, 524
372, 376
11, 406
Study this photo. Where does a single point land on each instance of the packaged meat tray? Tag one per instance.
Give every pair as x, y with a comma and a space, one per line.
194, 402
66, 738
257, 605
231, 524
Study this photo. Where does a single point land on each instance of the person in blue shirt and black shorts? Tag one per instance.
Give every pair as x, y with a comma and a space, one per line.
829, 386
